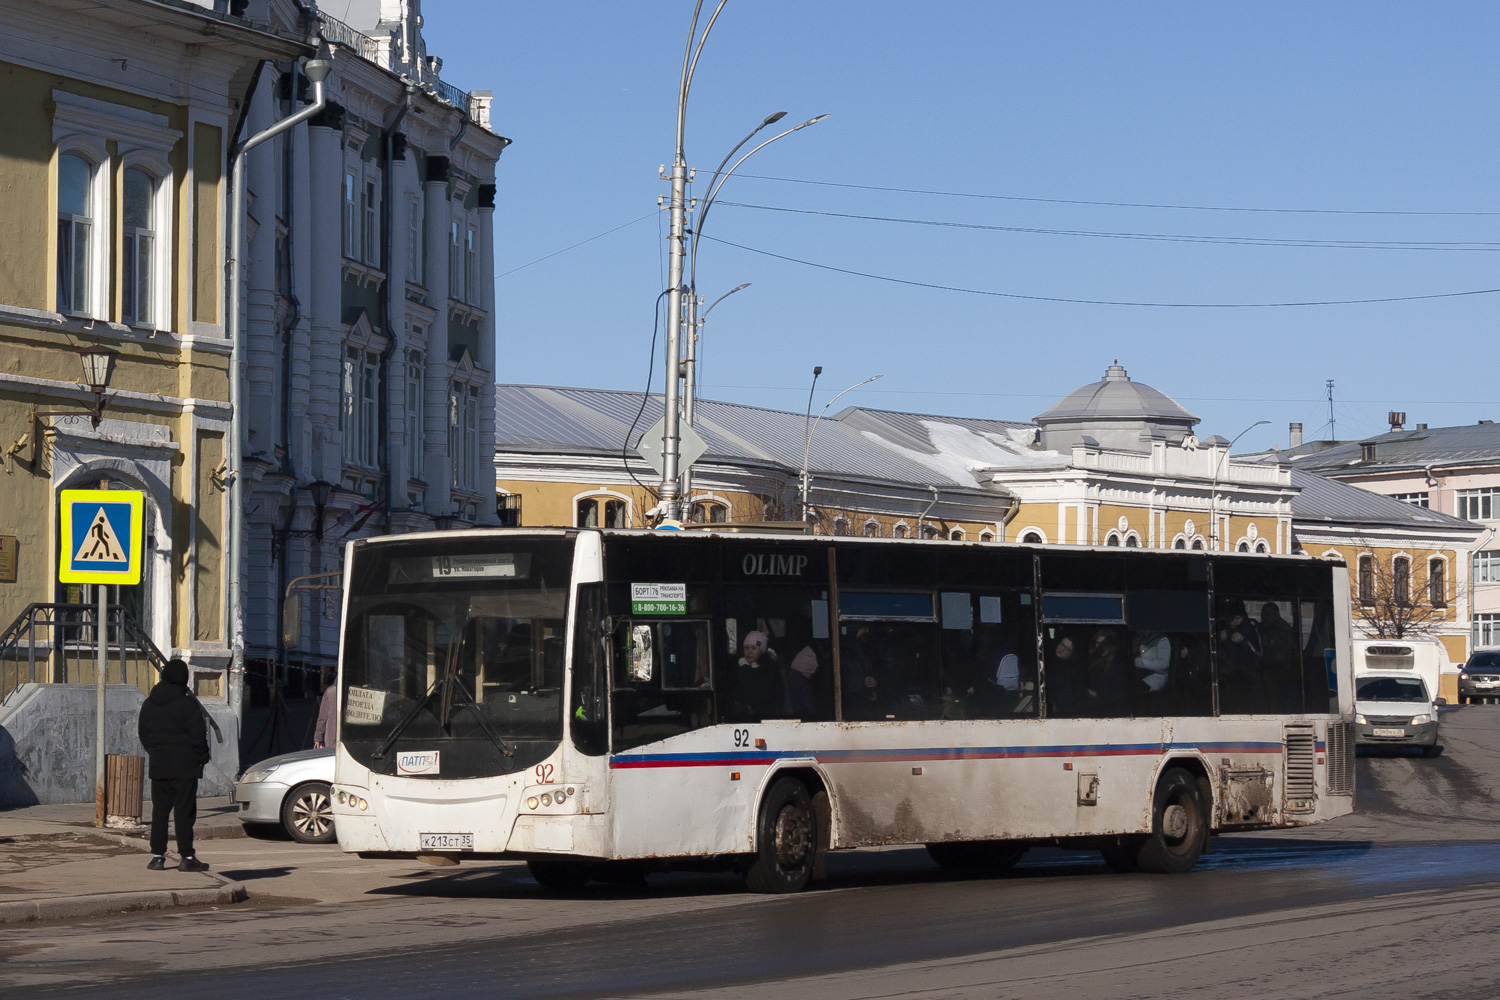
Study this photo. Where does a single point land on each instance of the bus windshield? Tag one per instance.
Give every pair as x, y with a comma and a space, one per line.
453, 655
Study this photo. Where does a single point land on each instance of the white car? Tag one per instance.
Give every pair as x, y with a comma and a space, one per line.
295, 790
1396, 709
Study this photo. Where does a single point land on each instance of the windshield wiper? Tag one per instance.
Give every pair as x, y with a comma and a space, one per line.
451, 683
473, 706
408, 718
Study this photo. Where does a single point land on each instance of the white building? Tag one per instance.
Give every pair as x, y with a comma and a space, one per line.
370, 347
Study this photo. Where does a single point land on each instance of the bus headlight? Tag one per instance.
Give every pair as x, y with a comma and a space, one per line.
531, 803
546, 799
363, 805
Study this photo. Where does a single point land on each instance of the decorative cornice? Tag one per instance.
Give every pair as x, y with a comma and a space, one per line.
72, 114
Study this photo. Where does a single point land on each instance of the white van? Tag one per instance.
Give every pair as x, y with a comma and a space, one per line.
1424, 658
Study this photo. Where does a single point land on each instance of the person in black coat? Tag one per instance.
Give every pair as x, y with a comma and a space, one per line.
176, 741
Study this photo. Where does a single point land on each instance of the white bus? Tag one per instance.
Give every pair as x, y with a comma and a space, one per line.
605, 703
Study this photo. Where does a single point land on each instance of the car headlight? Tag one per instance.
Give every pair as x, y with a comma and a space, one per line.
258, 773
1361, 720
1421, 720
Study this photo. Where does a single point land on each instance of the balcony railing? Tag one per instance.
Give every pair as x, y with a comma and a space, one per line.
381, 53
361, 44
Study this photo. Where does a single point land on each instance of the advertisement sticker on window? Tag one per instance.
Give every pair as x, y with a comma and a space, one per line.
658, 598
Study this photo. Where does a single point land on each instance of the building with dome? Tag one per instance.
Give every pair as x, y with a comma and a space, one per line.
1116, 462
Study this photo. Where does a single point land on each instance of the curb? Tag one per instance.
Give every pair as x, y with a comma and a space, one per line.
106, 904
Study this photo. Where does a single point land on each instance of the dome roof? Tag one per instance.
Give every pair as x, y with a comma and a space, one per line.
1115, 397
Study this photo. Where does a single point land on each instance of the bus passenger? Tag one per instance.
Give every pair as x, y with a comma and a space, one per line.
1067, 684
799, 684
861, 688
1239, 655
758, 690
1109, 687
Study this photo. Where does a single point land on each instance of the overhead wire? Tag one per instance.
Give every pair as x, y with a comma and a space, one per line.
645, 398
1116, 204
575, 246
1106, 302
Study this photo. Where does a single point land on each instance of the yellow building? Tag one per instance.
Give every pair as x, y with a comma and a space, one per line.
1114, 463
114, 134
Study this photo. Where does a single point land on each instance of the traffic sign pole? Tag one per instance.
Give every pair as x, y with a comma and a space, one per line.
101, 633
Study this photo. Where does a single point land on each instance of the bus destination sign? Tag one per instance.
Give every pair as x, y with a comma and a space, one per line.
658, 598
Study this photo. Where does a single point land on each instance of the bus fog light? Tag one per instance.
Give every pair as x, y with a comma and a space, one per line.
546, 799
559, 797
342, 798
570, 789
363, 805
531, 803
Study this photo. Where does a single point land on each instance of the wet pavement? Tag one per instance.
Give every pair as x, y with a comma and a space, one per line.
1282, 912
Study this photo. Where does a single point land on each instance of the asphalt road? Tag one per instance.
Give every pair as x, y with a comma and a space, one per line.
1398, 900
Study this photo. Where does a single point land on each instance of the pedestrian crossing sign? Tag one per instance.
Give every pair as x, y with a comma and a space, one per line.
101, 536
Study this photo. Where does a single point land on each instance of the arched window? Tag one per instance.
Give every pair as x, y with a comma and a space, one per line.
956, 535
872, 528
1401, 580
1242, 547
1367, 579
840, 526
1437, 583
930, 531
900, 531
709, 512
600, 512
1260, 546
1132, 541
75, 225
986, 535
1031, 538
1112, 540
138, 248
1180, 543
1198, 544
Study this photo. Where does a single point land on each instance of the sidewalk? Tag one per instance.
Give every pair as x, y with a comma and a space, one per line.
53, 864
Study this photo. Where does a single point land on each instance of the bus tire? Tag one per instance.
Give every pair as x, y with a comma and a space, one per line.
990, 857
559, 875
1179, 826
786, 840
1121, 855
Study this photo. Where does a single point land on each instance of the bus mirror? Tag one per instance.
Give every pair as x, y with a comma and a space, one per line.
291, 621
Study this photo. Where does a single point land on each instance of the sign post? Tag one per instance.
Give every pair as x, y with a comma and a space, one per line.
101, 544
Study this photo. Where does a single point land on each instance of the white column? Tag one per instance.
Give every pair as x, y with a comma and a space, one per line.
488, 351
398, 240
324, 303
437, 217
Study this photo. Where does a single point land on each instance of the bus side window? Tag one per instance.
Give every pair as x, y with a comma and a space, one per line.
1258, 650
989, 655
589, 713
1166, 607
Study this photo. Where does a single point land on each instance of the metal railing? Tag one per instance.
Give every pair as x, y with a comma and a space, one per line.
452, 95
58, 643
339, 33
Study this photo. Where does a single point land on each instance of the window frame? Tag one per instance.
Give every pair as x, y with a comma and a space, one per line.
1437, 581
1365, 579
1485, 566
94, 258
1481, 501
159, 272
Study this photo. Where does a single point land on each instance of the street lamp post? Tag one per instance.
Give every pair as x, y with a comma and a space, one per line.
317, 71
1213, 491
690, 377
803, 478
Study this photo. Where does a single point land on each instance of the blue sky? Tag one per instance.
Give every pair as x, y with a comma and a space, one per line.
1356, 108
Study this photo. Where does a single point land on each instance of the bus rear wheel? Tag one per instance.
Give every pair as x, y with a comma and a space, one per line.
562, 875
1179, 826
988, 856
786, 840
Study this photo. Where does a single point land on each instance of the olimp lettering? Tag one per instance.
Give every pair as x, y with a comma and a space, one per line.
773, 565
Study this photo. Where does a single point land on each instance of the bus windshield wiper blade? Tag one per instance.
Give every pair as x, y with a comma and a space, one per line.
473, 706
408, 718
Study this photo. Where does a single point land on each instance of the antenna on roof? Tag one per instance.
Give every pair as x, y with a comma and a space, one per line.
1332, 435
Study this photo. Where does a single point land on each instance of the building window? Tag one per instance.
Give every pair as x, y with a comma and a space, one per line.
1197, 545
1487, 566
1477, 505
1031, 538
986, 535
1242, 547
370, 232
351, 185
1112, 540
709, 512
1367, 579
414, 242
75, 223
463, 433
1261, 547
930, 531
872, 528
899, 532
1401, 581
138, 247
1415, 499
455, 263
957, 535
416, 376
1367, 452
600, 512
840, 526
359, 416
1437, 583
508, 510
1486, 630
471, 266
1132, 541
1180, 543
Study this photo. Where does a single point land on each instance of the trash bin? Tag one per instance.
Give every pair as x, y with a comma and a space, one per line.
124, 788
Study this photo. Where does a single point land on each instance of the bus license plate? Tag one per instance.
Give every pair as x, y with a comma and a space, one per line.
1389, 732
447, 841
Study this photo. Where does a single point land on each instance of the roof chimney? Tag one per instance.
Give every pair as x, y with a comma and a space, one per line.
1397, 419
1294, 436
1421, 427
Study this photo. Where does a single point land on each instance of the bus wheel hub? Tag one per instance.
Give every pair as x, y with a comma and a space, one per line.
793, 837
1174, 821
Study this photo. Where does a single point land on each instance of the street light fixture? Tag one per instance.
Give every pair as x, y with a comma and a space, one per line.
806, 480
1213, 491
98, 369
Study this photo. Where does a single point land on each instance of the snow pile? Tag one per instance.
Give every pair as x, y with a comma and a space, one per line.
961, 453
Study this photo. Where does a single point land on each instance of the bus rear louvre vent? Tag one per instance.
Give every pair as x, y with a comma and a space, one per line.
1301, 776
1340, 758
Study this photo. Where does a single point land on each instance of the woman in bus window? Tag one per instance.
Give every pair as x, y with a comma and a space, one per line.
758, 689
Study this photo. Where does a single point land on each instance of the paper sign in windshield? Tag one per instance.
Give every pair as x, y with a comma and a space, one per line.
503, 565
364, 706
418, 762
658, 598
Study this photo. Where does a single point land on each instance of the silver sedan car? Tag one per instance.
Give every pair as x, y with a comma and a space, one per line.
293, 790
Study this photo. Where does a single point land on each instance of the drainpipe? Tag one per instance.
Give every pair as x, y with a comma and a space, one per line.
923, 516
316, 70
1010, 515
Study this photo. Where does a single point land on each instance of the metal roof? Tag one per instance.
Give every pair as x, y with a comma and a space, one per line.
1470, 444
1116, 397
1328, 500
854, 444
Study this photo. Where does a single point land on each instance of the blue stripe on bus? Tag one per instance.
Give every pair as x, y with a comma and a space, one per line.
751, 758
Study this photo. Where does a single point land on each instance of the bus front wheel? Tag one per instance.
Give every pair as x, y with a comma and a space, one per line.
786, 840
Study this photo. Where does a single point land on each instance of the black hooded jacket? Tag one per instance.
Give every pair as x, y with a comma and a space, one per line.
172, 731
